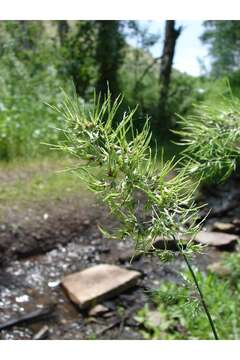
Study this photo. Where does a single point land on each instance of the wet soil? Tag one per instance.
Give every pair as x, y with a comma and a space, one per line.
42, 242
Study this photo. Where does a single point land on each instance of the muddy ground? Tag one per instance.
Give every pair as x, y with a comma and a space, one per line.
42, 241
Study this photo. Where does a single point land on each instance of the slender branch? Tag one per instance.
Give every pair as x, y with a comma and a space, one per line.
146, 70
205, 307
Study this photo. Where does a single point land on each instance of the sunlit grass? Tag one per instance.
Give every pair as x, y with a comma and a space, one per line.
38, 180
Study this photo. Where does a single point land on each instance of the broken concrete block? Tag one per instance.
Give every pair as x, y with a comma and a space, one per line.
220, 240
98, 283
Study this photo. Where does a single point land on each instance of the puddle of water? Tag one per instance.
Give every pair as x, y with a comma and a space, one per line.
38, 284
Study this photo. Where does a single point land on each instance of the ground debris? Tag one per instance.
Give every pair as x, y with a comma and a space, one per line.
42, 333
35, 315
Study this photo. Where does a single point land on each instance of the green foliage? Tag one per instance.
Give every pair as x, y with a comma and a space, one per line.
38, 58
78, 51
185, 91
212, 137
148, 199
139, 74
137, 89
224, 40
28, 79
182, 316
109, 55
232, 263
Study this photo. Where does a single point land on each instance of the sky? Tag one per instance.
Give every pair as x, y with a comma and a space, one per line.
189, 48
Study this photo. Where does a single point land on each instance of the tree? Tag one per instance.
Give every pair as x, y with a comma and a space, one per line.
63, 29
109, 56
143, 61
170, 38
78, 51
223, 38
30, 43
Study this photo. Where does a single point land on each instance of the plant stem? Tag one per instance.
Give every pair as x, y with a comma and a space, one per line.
205, 307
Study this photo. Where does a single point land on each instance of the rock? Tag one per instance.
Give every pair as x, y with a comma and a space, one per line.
108, 314
98, 310
100, 282
163, 244
103, 249
220, 240
224, 227
219, 269
236, 223
129, 256
154, 318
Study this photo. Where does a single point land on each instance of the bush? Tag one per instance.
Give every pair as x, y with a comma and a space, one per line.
26, 84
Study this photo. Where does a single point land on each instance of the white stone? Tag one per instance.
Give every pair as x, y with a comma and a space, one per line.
219, 269
216, 239
98, 283
219, 226
98, 310
154, 318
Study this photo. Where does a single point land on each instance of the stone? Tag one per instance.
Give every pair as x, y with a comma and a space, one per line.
154, 318
165, 244
220, 240
129, 256
224, 227
90, 286
219, 269
98, 310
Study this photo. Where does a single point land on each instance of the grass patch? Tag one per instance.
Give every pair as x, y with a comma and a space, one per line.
38, 180
180, 312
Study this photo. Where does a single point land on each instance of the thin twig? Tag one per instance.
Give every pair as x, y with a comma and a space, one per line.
146, 70
42, 333
35, 315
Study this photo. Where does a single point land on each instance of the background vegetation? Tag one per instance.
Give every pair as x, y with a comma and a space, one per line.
38, 58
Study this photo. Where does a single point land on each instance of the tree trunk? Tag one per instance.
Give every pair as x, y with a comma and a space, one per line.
25, 35
63, 29
109, 56
170, 38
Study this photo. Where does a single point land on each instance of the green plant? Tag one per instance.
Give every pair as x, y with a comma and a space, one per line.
211, 137
182, 316
147, 199
231, 262
28, 79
